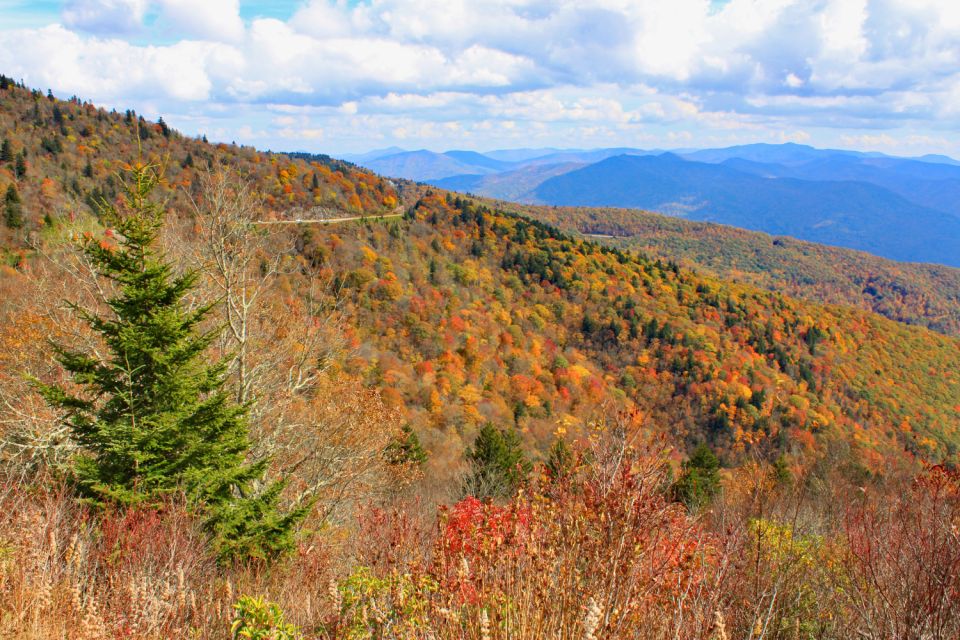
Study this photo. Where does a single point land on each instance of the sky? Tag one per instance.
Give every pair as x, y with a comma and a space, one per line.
337, 76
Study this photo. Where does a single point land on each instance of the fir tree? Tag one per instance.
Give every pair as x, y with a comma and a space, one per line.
406, 449
699, 480
12, 208
560, 461
497, 463
6, 151
20, 167
154, 418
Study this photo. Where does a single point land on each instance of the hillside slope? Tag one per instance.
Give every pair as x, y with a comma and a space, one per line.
480, 315
913, 293
463, 315
70, 153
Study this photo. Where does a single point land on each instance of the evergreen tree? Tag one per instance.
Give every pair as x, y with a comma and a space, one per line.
20, 167
12, 208
781, 471
6, 151
154, 418
497, 463
406, 448
699, 480
560, 462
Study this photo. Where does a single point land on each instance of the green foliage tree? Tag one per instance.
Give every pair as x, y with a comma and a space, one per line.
153, 417
699, 479
12, 208
406, 448
497, 463
6, 151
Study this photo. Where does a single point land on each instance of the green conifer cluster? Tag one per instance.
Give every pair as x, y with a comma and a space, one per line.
497, 463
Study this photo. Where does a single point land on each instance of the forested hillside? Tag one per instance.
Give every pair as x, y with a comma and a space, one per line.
463, 314
420, 426
921, 294
59, 157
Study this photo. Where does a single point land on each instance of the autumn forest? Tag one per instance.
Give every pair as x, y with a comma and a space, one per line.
251, 395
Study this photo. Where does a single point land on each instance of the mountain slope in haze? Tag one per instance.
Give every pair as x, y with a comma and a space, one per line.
423, 165
515, 185
787, 154
464, 166
935, 186
912, 293
850, 214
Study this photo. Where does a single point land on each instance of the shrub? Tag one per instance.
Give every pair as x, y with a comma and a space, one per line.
257, 619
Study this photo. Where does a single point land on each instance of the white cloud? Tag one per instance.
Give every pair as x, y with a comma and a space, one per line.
609, 67
205, 19
105, 16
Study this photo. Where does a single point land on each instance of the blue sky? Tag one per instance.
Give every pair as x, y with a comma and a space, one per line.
336, 76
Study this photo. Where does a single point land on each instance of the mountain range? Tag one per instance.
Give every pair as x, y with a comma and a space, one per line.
900, 208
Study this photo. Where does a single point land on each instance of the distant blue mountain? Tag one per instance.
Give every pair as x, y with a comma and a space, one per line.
425, 165
786, 154
901, 208
855, 214
359, 158
479, 160
933, 185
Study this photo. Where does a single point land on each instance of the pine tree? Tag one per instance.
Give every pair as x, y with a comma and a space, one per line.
154, 419
20, 167
699, 480
12, 208
560, 461
497, 463
6, 151
406, 449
